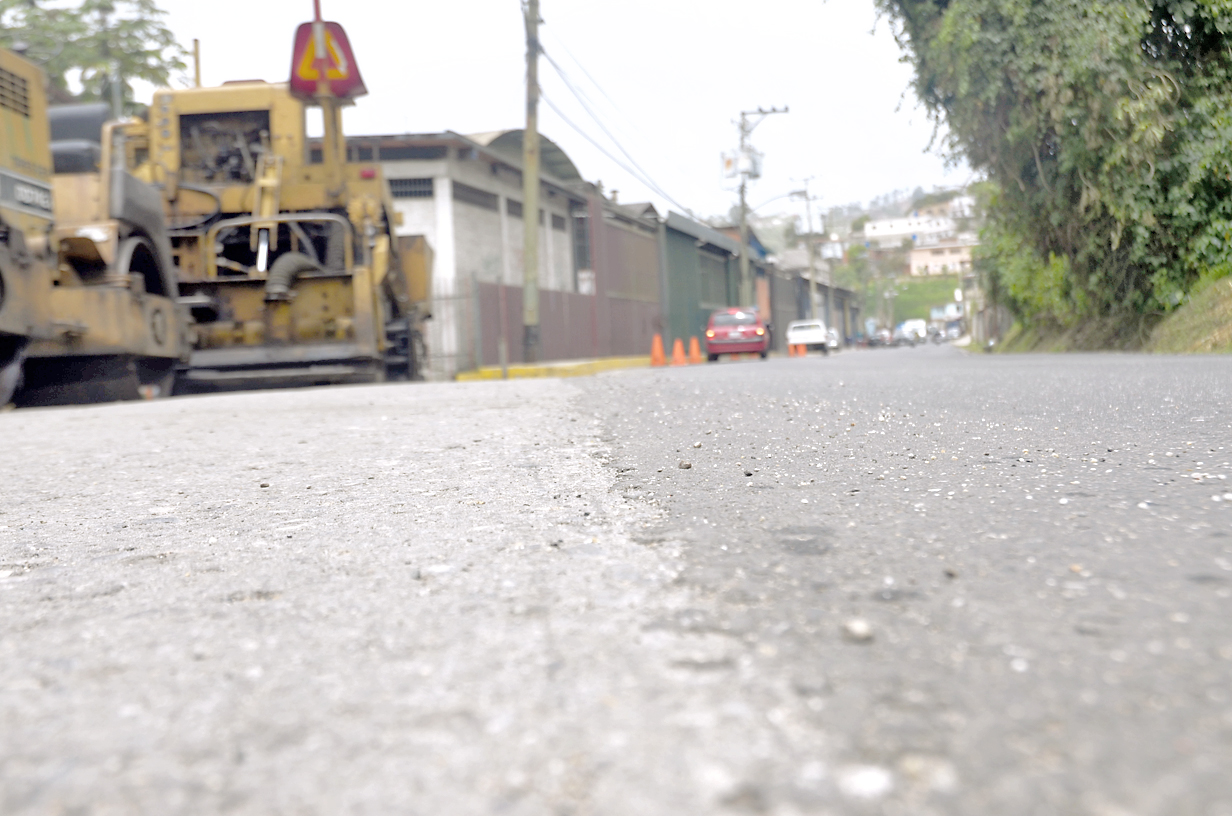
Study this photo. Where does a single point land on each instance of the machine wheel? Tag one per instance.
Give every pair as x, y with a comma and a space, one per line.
762, 354
712, 358
156, 377
10, 380
12, 356
418, 357
79, 380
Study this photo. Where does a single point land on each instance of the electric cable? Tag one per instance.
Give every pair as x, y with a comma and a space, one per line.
639, 176
581, 97
640, 173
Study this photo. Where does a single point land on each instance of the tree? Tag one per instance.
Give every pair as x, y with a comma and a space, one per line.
84, 45
1106, 130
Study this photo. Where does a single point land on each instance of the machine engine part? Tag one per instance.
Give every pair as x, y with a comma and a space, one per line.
87, 295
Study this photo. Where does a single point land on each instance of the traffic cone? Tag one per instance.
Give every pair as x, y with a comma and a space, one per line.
657, 357
695, 351
678, 353
791, 349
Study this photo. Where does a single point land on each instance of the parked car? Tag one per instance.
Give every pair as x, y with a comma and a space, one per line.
916, 326
812, 335
903, 337
736, 331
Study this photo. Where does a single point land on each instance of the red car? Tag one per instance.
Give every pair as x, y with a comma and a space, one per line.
736, 331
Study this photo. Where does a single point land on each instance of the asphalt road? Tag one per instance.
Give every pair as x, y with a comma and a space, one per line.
1040, 548
892, 582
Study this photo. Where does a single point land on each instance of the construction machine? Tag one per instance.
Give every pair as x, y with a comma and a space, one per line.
88, 308
284, 254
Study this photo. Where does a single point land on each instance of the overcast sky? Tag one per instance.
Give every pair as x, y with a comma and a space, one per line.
667, 78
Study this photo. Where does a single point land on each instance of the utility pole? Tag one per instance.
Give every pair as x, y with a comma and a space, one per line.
530, 190
808, 207
747, 171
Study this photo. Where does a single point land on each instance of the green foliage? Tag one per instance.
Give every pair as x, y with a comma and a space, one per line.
1104, 129
855, 272
84, 44
918, 295
924, 199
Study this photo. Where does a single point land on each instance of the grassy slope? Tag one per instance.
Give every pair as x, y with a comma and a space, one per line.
1203, 324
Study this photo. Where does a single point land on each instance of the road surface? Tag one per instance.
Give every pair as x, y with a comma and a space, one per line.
906, 581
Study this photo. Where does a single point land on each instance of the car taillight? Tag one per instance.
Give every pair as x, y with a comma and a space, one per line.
760, 332
710, 332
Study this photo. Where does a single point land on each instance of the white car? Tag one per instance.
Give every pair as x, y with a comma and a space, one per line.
811, 334
917, 327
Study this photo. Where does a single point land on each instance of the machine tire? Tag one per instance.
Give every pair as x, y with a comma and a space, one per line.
80, 380
158, 376
10, 378
712, 358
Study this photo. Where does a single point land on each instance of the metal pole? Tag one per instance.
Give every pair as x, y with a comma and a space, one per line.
117, 94
808, 205
746, 288
477, 319
530, 191
196, 63
746, 283
333, 147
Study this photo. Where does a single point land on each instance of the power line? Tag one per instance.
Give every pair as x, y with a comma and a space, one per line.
582, 99
579, 64
640, 174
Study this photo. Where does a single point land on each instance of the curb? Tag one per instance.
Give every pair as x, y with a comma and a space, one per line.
567, 368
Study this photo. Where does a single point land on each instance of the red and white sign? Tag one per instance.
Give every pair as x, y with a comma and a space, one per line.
324, 46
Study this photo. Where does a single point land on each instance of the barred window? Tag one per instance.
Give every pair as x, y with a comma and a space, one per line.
14, 93
473, 195
514, 208
558, 222
420, 152
411, 188
581, 241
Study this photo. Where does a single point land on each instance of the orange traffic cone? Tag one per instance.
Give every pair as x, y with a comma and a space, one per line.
678, 353
791, 349
657, 357
695, 351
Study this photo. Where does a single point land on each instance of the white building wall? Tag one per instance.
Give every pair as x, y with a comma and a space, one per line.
889, 233
472, 243
445, 326
562, 256
478, 236
418, 218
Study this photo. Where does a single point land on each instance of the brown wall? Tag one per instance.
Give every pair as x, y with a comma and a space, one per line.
572, 326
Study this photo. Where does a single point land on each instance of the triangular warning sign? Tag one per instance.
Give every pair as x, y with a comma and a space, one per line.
338, 67
341, 72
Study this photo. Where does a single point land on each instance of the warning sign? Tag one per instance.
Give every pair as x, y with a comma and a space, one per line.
341, 72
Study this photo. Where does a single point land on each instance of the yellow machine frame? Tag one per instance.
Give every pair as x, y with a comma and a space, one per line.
87, 302
242, 190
